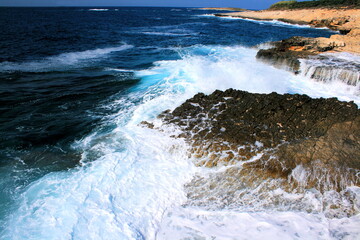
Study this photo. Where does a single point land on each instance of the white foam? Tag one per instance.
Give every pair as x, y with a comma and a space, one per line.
130, 182
119, 70
99, 9
169, 30
339, 71
261, 22
127, 180
345, 56
207, 68
122, 195
62, 60
279, 23
206, 15
196, 223
167, 34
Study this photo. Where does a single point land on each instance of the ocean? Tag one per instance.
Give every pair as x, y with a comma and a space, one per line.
75, 83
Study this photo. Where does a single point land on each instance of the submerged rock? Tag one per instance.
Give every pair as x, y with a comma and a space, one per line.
289, 142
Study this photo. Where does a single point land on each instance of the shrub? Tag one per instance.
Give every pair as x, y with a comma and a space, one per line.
315, 4
283, 4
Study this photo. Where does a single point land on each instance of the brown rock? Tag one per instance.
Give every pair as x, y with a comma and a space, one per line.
343, 20
320, 135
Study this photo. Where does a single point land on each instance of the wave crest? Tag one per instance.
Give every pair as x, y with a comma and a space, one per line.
60, 61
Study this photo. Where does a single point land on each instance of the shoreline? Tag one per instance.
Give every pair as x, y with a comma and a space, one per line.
225, 9
284, 141
346, 21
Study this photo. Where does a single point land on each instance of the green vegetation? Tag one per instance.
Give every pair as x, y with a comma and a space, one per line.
315, 4
283, 4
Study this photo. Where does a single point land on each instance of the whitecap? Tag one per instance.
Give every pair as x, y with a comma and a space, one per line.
167, 34
118, 70
269, 22
216, 67
206, 15
61, 61
99, 9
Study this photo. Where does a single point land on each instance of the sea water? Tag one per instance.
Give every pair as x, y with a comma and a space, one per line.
75, 84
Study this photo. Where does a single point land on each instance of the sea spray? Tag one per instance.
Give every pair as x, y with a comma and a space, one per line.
207, 68
332, 68
122, 194
89, 171
251, 181
132, 184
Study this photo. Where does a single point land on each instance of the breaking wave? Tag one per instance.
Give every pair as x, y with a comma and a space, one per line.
99, 9
61, 61
130, 183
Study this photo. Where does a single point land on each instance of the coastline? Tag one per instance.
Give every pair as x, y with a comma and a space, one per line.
225, 9
162, 123
281, 143
346, 21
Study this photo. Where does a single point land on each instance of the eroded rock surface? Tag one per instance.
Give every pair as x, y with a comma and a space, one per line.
306, 56
287, 53
268, 142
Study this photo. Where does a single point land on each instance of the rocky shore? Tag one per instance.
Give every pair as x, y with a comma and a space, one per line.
279, 152
271, 142
346, 21
288, 54
225, 9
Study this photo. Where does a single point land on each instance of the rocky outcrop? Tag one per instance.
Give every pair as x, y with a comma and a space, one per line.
334, 23
351, 40
270, 137
346, 21
305, 56
287, 53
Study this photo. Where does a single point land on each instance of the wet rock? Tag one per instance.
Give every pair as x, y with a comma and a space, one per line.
287, 53
147, 124
304, 56
281, 132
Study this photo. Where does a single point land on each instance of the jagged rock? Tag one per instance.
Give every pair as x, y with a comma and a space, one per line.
287, 53
274, 147
332, 23
287, 130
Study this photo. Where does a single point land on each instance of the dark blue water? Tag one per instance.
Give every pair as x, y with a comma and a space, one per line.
61, 67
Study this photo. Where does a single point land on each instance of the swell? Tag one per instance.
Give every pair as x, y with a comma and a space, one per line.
129, 177
61, 61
